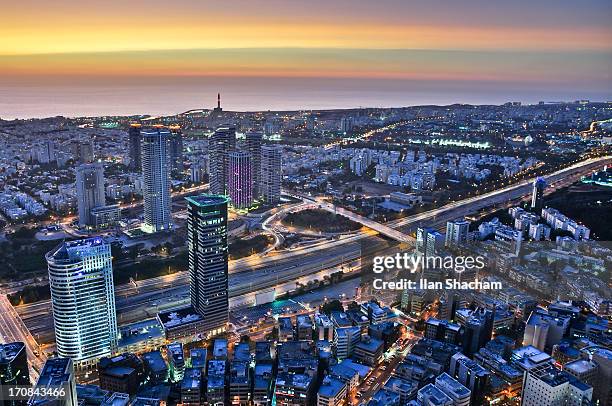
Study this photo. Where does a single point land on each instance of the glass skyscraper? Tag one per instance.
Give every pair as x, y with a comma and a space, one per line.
83, 300
156, 169
90, 191
219, 145
208, 256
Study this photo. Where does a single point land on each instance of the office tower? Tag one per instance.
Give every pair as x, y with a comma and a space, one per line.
457, 232
46, 152
271, 173
156, 180
240, 179
13, 369
478, 329
207, 244
90, 191
429, 241
176, 148
219, 145
82, 151
83, 300
253, 143
547, 386
56, 373
537, 196
135, 147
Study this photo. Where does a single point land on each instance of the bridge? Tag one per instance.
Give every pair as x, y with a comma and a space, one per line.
374, 225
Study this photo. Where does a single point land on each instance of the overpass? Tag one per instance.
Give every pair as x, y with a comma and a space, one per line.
374, 225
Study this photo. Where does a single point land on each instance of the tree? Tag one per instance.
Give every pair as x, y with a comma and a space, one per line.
329, 307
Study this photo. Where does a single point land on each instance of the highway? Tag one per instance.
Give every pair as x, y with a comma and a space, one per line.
172, 290
13, 329
260, 272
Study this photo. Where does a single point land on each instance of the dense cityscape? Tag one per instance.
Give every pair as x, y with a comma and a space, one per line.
236, 258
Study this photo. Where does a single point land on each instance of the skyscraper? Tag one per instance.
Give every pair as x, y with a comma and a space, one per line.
82, 151
537, 196
134, 144
457, 232
253, 142
219, 145
271, 173
90, 191
156, 180
83, 300
240, 179
208, 256
176, 148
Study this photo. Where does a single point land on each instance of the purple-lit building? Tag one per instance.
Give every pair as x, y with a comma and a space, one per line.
240, 186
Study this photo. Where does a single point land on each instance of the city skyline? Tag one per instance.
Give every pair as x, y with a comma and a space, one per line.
330, 203
262, 56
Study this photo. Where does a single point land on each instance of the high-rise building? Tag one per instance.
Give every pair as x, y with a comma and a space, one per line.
429, 241
83, 300
134, 146
219, 145
82, 151
176, 148
90, 191
478, 329
271, 173
457, 232
47, 152
13, 369
253, 143
547, 386
57, 373
240, 179
156, 180
208, 258
537, 196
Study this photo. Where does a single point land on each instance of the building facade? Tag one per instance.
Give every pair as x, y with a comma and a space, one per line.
253, 143
83, 300
208, 259
90, 191
156, 180
219, 145
240, 180
271, 173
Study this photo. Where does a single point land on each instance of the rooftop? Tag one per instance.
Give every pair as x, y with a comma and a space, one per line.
431, 395
177, 317
331, 387
205, 200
